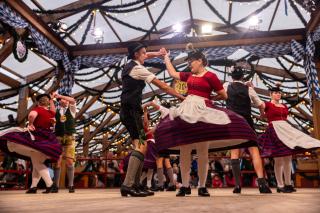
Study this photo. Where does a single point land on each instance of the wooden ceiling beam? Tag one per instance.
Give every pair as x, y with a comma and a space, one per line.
8, 80
6, 50
46, 73
277, 72
77, 6
249, 38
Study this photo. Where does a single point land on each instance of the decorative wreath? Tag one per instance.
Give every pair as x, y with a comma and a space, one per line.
20, 50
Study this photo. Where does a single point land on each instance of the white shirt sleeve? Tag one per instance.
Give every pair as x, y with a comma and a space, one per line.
256, 101
139, 72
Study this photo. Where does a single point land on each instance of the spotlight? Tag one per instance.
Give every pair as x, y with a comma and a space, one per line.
97, 32
254, 22
206, 29
177, 28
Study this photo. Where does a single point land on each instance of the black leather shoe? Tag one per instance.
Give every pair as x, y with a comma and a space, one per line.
71, 189
182, 192
125, 191
263, 186
203, 191
157, 188
54, 189
32, 190
283, 190
48, 189
290, 188
171, 188
145, 190
188, 190
237, 190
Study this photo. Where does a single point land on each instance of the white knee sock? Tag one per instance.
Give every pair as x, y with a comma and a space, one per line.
185, 163
37, 162
202, 152
149, 177
287, 169
35, 178
278, 171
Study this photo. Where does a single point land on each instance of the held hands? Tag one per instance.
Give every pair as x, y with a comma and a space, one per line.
54, 95
164, 52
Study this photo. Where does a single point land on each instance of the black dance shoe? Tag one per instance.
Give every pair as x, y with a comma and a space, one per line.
203, 192
54, 189
32, 190
157, 188
237, 190
171, 188
71, 189
49, 189
290, 188
263, 186
283, 190
132, 191
182, 192
145, 190
188, 190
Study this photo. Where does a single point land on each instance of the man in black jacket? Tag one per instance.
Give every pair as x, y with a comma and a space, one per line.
134, 78
240, 97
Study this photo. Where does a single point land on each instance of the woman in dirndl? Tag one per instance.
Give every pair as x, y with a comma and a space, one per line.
198, 124
281, 141
36, 142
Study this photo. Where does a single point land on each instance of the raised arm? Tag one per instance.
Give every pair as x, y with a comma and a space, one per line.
52, 106
172, 71
71, 100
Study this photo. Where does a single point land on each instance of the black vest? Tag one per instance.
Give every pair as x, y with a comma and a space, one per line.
67, 127
131, 95
239, 99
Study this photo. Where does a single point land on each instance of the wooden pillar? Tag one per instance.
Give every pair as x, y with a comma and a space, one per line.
105, 144
316, 109
316, 116
86, 135
22, 106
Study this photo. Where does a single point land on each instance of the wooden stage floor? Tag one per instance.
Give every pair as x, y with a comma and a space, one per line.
109, 200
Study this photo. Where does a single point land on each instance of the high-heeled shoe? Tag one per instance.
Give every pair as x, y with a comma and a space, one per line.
237, 190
